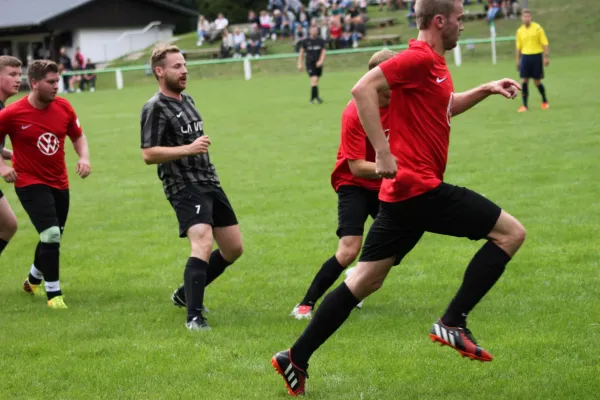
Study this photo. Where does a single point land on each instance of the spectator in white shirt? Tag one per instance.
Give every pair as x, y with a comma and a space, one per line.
203, 30
221, 22
239, 43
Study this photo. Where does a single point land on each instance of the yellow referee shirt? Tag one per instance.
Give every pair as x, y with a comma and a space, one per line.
531, 40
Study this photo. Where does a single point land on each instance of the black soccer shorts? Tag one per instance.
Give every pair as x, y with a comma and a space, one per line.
45, 205
313, 70
197, 204
355, 204
446, 210
532, 66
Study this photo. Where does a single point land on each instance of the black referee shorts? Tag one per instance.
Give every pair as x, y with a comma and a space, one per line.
313, 70
532, 66
197, 204
355, 204
45, 205
446, 210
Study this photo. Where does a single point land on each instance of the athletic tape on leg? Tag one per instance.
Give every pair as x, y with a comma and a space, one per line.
50, 235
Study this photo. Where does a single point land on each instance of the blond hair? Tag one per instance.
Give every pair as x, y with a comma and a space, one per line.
38, 69
159, 53
380, 57
9, 61
425, 10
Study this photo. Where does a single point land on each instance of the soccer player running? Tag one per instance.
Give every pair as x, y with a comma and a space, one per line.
533, 54
172, 136
414, 199
357, 185
37, 126
314, 47
10, 81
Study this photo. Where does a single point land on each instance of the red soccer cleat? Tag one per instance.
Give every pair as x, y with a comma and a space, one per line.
459, 339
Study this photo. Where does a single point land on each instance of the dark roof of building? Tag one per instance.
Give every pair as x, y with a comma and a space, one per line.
23, 13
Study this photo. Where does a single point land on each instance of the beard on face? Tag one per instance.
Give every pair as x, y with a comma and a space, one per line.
450, 39
173, 84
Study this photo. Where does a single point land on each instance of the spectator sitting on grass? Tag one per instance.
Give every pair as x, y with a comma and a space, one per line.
202, 30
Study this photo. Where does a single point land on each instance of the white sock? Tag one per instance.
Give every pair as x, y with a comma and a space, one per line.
36, 273
52, 286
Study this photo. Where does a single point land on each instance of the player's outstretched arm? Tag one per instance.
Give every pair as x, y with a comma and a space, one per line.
365, 94
300, 57
84, 168
466, 100
160, 154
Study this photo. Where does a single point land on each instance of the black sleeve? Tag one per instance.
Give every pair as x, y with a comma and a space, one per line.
153, 125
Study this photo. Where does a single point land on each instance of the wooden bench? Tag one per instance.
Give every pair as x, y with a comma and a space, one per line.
208, 52
211, 52
382, 22
386, 39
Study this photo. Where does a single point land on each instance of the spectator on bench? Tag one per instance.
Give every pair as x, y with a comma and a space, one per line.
299, 36
226, 43
88, 79
255, 41
239, 43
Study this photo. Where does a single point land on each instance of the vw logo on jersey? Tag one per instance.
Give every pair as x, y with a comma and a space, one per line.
48, 143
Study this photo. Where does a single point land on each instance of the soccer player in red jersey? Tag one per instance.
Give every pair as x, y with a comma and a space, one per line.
37, 126
414, 199
10, 81
357, 185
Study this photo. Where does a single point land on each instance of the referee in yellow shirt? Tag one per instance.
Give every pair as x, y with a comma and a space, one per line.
532, 56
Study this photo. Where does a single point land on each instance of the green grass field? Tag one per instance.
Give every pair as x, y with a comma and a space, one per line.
121, 258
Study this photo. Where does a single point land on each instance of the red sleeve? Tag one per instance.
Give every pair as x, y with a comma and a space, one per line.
74, 130
4, 125
353, 135
407, 69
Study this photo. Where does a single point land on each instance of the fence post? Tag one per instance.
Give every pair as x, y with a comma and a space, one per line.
119, 78
493, 41
247, 69
457, 55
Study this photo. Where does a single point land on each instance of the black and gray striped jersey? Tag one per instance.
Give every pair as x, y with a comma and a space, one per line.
168, 122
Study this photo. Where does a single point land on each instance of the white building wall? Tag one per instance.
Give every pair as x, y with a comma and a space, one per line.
102, 45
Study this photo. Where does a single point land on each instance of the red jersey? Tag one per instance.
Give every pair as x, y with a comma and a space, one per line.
38, 141
355, 145
421, 104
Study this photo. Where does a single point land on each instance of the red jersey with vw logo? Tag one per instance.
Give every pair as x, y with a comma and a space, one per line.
38, 140
420, 112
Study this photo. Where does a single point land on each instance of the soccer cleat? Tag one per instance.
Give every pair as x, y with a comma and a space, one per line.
319, 100
459, 339
35, 290
198, 324
302, 312
545, 106
294, 377
522, 109
178, 298
57, 302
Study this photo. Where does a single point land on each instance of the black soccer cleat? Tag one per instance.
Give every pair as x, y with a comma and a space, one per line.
294, 377
198, 324
459, 338
178, 298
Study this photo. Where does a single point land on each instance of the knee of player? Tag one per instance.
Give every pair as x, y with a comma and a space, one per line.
518, 233
348, 251
234, 252
50, 235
